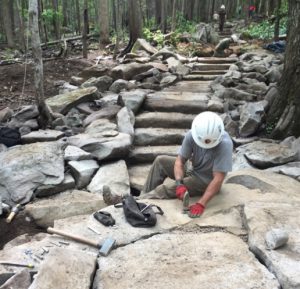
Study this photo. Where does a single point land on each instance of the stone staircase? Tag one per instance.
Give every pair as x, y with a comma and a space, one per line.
168, 114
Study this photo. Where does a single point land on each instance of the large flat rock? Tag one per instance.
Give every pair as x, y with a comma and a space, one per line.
164, 119
173, 262
25, 168
138, 175
284, 262
65, 268
196, 86
182, 102
211, 66
290, 169
158, 136
62, 103
42, 135
149, 153
63, 205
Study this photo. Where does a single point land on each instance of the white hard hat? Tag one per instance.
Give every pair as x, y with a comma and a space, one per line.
207, 129
222, 6
234, 38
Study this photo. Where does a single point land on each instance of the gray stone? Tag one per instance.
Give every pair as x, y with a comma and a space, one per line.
65, 268
175, 256
125, 120
138, 175
263, 216
62, 103
128, 71
153, 72
113, 175
143, 44
237, 94
73, 153
258, 76
25, 168
83, 171
164, 119
251, 118
97, 70
254, 68
67, 87
26, 113
108, 112
42, 136
149, 153
21, 280
48, 190
87, 107
276, 238
63, 205
119, 85
102, 83
291, 169
230, 125
5, 114
264, 155
215, 105
158, 136
31, 123
75, 80
100, 126
103, 148
134, 99
273, 75
175, 66
168, 80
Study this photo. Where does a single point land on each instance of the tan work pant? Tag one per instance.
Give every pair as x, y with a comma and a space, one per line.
160, 183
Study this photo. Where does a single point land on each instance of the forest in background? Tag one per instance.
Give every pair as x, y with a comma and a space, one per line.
112, 19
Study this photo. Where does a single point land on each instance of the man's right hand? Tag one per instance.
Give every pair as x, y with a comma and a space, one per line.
180, 191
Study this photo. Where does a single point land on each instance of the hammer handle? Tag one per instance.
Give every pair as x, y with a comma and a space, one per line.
74, 237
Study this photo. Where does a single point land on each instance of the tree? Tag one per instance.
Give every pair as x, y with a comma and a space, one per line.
45, 116
8, 23
135, 25
103, 22
285, 109
85, 30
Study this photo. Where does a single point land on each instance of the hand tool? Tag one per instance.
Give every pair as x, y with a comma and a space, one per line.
7, 263
104, 247
14, 211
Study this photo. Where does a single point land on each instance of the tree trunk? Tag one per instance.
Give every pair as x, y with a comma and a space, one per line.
164, 17
277, 21
158, 8
173, 26
55, 19
118, 26
85, 30
45, 116
65, 13
78, 17
20, 24
7, 23
135, 25
286, 108
104, 22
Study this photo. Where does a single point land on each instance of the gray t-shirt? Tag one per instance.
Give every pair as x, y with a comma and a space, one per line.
207, 161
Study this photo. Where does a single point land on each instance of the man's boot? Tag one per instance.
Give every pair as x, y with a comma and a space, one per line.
110, 198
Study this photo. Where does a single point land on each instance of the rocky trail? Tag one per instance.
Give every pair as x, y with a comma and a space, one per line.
112, 120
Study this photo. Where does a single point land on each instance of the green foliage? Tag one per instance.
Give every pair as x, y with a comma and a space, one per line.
49, 15
156, 36
265, 29
183, 25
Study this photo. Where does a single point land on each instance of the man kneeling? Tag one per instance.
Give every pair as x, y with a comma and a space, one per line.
209, 148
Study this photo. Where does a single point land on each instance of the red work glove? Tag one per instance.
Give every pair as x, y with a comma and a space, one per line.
180, 191
196, 210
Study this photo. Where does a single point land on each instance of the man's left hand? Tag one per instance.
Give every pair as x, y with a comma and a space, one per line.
196, 210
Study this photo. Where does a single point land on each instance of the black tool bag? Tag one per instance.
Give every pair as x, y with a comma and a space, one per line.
139, 214
9, 136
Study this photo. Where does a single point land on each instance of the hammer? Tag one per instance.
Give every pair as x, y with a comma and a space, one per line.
104, 248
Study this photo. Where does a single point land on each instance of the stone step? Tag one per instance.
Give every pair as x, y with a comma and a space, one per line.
199, 77
158, 136
147, 154
190, 86
176, 101
164, 119
216, 60
211, 66
209, 72
138, 175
